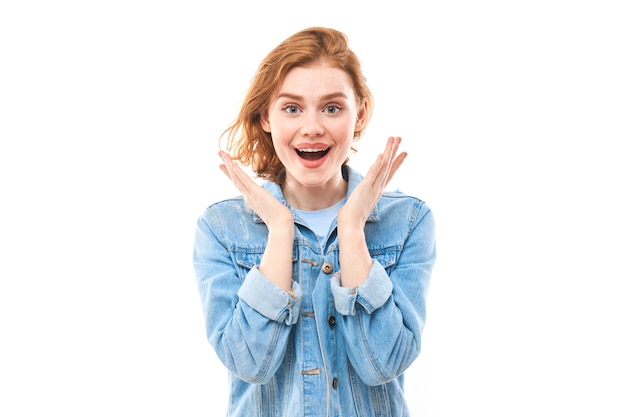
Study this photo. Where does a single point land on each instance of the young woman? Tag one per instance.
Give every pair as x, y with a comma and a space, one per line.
313, 284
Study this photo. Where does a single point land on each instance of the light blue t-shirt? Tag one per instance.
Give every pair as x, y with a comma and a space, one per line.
320, 220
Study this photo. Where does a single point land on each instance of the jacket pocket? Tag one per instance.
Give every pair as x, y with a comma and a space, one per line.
246, 260
387, 257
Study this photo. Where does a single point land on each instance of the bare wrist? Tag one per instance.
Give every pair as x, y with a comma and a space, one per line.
350, 228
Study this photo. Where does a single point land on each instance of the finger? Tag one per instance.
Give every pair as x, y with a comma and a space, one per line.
227, 165
392, 156
391, 149
224, 170
235, 173
396, 164
373, 174
395, 145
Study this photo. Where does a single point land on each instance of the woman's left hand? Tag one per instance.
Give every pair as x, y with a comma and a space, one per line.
365, 196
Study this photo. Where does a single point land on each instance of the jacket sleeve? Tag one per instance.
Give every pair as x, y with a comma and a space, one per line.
247, 321
383, 319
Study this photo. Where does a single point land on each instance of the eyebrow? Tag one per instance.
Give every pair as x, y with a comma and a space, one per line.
324, 97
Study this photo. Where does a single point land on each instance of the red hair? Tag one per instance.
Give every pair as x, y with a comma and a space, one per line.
246, 140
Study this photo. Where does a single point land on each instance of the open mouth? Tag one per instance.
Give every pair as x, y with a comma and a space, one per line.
312, 154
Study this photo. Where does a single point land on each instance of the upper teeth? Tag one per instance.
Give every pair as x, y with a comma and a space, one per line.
311, 150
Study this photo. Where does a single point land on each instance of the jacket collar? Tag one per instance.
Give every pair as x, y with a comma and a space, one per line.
352, 176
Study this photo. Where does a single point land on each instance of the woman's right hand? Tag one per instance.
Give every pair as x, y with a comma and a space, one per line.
270, 210
276, 261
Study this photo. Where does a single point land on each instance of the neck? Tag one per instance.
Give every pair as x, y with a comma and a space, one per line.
307, 198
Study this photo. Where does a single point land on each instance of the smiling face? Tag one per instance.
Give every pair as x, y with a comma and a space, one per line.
312, 119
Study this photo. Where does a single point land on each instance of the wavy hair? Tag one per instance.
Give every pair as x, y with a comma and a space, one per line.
247, 142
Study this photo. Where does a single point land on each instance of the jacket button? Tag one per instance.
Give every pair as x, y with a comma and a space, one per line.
335, 383
327, 268
331, 321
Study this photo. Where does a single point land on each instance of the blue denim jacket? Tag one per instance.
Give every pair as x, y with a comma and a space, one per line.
328, 351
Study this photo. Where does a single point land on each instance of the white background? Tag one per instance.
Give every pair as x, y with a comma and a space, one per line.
513, 114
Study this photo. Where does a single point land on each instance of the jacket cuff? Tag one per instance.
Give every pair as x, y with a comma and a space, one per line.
270, 300
371, 294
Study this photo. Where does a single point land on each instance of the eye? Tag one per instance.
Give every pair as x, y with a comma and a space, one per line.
290, 108
332, 109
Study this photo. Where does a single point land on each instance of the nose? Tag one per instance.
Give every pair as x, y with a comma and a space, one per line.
312, 125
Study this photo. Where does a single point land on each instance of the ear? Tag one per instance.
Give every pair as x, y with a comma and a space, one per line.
265, 124
361, 116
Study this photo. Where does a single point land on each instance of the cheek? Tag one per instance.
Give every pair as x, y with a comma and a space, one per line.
346, 131
282, 127
281, 141
279, 136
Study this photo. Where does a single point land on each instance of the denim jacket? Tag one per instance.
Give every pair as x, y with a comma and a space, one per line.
328, 350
